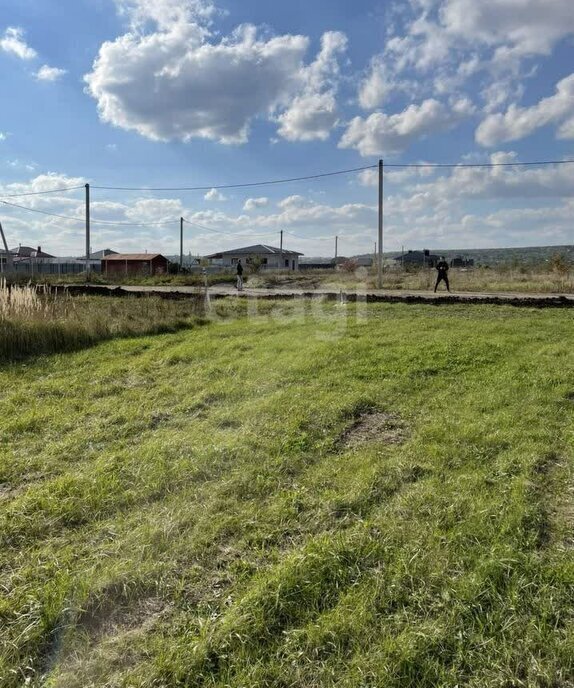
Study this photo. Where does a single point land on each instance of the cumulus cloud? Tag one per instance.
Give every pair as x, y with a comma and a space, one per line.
255, 203
46, 73
214, 195
453, 41
314, 113
518, 122
13, 42
171, 84
378, 84
310, 117
381, 134
173, 77
524, 26
553, 181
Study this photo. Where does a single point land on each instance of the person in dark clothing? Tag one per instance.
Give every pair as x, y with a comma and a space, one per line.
239, 276
442, 268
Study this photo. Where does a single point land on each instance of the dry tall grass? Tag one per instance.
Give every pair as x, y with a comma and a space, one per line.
36, 320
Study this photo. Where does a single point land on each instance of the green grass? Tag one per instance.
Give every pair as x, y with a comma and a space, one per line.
179, 510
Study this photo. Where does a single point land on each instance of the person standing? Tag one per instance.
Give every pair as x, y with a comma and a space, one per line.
239, 276
442, 276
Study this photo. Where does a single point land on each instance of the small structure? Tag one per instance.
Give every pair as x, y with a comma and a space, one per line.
417, 259
265, 257
134, 264
462, 262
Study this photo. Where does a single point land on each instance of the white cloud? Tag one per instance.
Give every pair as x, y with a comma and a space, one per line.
164, 13
13, 42
525, 26
310, 117
172, 77
42, 182
381, 134
154, 210
553, 181
378, 85
214, 195
3, 136
518, 122
295, 201
255, 203
314, 113
451, 42
46, 73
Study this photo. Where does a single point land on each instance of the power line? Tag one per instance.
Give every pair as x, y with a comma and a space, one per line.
298, 236
81, 219
235, 186
218, 231
39, 193
531, 163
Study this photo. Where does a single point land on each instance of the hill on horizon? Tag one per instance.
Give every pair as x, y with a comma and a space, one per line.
526, 255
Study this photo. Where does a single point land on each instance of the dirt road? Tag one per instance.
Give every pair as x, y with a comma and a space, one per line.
372, 295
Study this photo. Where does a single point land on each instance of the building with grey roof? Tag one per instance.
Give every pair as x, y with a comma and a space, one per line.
262, 255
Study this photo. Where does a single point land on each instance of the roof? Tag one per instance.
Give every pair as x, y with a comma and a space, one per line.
257, 249
416, 255
133, 256
29, 252
98, 255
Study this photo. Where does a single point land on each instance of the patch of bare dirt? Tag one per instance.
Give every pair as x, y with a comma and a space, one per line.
110, 616
374, 426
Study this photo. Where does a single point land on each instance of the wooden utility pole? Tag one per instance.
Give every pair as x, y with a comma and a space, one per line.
380, 242
87, 231
336, 246
281, 249
180, 244
9, 263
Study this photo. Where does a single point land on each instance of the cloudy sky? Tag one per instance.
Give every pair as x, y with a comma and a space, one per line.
172, 93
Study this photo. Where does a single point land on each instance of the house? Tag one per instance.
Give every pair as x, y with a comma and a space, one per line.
267, 257
462, 262
417, 259
29, 252
132, 264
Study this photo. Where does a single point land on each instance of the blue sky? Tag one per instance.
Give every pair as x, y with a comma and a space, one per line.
184, 93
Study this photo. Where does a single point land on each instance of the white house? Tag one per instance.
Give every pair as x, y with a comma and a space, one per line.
268, 257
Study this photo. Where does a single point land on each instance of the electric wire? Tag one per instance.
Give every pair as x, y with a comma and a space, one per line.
531, 163
92, 221
39, 193
322, 175
237, 186
218, 231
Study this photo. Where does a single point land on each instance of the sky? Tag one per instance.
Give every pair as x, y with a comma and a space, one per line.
188, 93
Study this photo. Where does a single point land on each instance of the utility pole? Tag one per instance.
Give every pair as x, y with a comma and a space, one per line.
336, 242
180, 244
281, 249
87, 231
8, 254
380, 243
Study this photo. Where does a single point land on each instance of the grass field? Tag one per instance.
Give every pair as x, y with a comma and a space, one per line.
328, 498
500, 279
